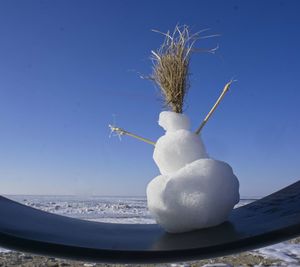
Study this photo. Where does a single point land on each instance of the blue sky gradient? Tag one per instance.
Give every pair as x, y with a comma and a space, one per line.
68, 66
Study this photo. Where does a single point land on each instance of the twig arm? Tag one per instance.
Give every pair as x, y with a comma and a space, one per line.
225, 90
121, 131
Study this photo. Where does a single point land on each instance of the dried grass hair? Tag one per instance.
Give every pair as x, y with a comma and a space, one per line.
171, 65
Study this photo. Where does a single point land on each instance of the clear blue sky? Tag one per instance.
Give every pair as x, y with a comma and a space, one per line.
67, 66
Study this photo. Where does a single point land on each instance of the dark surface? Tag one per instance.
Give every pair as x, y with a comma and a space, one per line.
269, 220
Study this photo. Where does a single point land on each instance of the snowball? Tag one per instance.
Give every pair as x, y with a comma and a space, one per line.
172, 121
199, 195
176, 149
178, 146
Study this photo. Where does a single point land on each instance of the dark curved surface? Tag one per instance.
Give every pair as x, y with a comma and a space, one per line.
269, 220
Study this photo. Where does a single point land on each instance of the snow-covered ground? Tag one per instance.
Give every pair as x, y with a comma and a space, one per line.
134, 210
104, 209
3, 250
285, 252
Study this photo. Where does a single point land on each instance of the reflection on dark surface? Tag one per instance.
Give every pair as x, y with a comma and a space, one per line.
200, 238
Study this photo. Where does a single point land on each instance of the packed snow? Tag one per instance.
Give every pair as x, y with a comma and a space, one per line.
203, 191
178, 146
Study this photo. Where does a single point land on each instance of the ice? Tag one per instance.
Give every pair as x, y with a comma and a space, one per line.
193, 191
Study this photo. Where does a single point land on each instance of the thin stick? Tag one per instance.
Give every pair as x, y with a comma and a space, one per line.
121, 131
225, 90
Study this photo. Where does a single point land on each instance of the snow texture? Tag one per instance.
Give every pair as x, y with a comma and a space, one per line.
172, 121
178, 146
193, 191
289, 253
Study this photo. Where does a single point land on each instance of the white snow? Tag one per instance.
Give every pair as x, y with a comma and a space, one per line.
3, 250
289, 253
217, 265
178, 146
193, 191
172, 121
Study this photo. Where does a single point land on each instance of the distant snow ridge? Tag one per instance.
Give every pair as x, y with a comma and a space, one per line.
94, 208
194, 191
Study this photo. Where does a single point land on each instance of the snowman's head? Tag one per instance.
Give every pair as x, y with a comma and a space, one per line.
172, 121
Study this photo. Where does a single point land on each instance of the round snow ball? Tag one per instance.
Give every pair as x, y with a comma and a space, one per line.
172, 121
176, 149
200, 195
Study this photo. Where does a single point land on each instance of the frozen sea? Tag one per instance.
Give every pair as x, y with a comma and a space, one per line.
134, 210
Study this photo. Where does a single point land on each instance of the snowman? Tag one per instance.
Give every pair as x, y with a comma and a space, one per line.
193, 191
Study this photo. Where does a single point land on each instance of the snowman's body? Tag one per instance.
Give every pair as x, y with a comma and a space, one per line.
193, 191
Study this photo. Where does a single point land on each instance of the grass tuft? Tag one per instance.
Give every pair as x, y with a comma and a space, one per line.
171, 66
